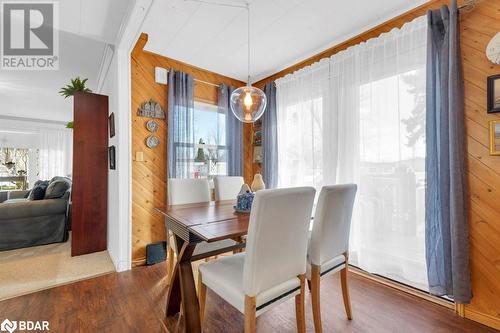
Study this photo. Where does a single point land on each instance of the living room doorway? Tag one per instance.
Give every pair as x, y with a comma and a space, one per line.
35, 209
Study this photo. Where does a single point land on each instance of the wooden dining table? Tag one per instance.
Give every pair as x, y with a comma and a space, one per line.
192, 224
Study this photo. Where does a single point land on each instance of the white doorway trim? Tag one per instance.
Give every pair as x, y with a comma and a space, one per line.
116, 69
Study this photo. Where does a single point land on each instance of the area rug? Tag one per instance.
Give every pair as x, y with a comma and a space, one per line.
24, 271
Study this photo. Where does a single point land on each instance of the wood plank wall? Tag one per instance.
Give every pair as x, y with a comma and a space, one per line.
149, 176
483, 171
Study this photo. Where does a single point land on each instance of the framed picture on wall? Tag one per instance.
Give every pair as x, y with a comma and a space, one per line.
112, 157
495, 137
112, 125
494, 93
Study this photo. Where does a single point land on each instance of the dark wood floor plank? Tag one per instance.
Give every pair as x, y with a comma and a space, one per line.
135, 301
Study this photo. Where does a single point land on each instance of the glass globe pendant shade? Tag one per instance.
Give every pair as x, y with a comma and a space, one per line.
248, 103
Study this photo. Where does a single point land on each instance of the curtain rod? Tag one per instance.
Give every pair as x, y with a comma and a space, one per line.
469, 4
206, 82
198, 80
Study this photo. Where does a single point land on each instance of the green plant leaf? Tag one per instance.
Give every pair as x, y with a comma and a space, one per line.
77, 84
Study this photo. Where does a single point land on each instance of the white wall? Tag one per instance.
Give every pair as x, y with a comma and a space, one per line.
116, 84
112, 79
115, 218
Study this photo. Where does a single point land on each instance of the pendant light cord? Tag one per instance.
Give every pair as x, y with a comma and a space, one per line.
246, 5
248, 44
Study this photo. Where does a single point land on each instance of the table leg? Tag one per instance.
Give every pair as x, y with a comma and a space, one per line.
238, 240
174, 290
182, 291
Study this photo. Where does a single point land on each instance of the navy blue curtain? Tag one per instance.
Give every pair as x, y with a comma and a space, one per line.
270, 138
180, 150
234, 133
446, 234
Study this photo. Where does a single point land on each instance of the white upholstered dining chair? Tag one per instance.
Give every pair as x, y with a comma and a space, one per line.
227, 187
329, 243
187, 191
273, 267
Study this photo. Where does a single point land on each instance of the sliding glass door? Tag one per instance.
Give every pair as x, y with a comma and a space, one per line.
388, 234
360, 117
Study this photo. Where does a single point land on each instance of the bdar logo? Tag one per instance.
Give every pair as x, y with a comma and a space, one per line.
8, 325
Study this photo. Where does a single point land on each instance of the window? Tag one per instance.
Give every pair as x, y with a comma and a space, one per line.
300, 140
359, 117
208, 157
388, 237
16, 164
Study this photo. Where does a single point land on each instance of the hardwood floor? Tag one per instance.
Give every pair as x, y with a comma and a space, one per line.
134, 301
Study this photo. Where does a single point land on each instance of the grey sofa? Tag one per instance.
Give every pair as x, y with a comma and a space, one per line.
25, 222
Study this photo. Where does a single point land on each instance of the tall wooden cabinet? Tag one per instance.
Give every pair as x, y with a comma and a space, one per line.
90, 174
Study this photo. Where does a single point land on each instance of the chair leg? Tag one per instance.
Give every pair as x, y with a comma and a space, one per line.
250, 314
300, 312
316, 298
202, 295
345, 290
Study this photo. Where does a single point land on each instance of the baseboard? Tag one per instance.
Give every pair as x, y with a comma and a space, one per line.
123, 265
403, 288
461, 309
139, 262
482, 318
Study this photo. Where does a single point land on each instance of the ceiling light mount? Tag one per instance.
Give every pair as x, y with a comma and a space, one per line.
234, 4
247, 103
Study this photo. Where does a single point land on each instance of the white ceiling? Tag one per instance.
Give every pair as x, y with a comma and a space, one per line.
85, 28
283, 32
35, 94
96, 19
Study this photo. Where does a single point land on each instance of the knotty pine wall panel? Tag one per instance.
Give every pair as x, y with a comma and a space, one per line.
149, 178
483, 171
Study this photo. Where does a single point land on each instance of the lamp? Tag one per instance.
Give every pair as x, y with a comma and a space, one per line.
248, 103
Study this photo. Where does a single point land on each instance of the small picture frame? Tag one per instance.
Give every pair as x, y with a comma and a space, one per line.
494, 93
495, 137
112, 157
112, 125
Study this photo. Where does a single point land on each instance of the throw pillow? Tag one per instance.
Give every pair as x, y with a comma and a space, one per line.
56, 189
38, 192
66, 179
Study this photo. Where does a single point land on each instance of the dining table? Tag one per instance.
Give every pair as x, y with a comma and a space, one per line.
191, 224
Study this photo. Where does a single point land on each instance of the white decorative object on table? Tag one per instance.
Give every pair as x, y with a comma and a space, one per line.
493, 49
258, 183
244, 189
244, 200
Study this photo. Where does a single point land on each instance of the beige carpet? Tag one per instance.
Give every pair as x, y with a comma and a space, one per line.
24, 271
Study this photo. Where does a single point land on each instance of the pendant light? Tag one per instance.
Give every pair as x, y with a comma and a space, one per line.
248, 103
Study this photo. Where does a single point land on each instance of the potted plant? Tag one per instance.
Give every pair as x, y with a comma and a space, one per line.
76, 84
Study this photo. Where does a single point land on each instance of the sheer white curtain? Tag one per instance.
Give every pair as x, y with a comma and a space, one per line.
368, 129
302, 100
55, 155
